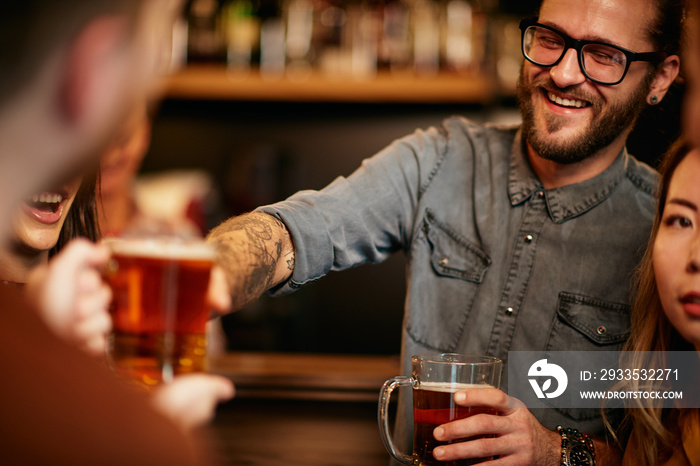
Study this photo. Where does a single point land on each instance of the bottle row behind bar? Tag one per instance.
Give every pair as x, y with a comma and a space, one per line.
292, 38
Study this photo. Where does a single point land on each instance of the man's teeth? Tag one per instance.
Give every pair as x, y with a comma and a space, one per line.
47, 198
566, 102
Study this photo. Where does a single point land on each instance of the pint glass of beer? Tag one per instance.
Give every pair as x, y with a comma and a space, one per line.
435, 379
159, 308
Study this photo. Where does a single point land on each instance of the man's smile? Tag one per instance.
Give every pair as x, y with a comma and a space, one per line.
566, 101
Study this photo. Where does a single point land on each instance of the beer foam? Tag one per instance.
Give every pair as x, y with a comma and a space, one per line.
450, 387
157, 248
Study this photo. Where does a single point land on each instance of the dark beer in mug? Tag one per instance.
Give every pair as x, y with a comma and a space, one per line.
433, 405
159, 309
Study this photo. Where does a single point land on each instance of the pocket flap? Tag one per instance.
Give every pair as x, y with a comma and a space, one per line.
601, 321
452, 255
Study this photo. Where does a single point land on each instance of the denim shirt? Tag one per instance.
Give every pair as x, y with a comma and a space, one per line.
496, 263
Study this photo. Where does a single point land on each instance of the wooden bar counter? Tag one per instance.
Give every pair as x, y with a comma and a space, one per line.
302, 409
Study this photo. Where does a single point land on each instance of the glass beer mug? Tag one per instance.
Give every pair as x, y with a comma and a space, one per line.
159, 308
435, 379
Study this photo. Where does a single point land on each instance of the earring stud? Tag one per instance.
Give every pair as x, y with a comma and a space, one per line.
653, 100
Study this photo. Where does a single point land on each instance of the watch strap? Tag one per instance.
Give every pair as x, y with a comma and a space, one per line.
570, 438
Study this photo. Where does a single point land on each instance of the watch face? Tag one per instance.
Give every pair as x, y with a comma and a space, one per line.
580, 456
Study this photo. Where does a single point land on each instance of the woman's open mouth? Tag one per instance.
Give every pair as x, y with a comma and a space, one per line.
46, 207
46, 201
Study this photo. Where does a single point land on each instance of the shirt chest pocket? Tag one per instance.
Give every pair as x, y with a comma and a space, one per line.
455, 257
583, 323
452, 268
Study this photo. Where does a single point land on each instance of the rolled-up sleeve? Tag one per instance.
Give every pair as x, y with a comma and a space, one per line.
362, 218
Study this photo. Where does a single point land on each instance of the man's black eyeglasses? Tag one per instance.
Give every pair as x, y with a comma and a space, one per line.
600, 62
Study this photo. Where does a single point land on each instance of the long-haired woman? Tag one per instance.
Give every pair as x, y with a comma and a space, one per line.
666, 317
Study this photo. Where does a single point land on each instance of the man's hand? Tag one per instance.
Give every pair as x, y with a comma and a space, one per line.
517, 438
218, 294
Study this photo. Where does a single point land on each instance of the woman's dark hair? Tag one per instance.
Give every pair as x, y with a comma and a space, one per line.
81, 220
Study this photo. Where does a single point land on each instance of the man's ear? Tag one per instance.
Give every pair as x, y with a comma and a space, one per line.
88, 61
665, 75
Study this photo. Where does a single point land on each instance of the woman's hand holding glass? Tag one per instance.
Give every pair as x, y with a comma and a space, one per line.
71, 296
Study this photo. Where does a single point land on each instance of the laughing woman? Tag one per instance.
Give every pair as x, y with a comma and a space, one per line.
43, 226
69, 294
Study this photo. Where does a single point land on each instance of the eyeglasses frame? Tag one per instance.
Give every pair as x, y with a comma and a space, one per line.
577, 44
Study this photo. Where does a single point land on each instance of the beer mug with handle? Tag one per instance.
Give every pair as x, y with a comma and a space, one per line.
435, 379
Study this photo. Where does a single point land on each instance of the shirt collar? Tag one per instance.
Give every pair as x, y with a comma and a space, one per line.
565, 202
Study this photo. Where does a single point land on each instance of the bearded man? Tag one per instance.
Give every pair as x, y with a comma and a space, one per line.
517, 239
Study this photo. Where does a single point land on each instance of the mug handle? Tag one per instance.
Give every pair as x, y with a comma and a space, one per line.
383, 417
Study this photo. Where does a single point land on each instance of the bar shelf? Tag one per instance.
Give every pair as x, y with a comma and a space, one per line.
212, 82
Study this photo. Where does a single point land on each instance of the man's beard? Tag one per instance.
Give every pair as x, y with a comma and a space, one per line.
606, 126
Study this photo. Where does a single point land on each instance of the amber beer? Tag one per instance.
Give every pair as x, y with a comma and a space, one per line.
433, 405
435, 378
159, 308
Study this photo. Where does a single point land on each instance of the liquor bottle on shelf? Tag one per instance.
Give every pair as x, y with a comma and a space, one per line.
426, 38
299, 21
205, 39
272, 41
242, 31
395, 47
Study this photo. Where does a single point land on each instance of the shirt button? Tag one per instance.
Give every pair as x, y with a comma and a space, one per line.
509, 311
528, 238
444, 261
540, 194
601, 330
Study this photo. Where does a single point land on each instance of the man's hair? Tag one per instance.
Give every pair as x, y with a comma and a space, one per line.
666, 31
30, 30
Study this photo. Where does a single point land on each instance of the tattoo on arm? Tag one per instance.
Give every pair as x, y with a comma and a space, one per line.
256, 253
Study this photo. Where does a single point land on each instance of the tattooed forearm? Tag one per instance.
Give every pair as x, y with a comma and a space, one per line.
256, 252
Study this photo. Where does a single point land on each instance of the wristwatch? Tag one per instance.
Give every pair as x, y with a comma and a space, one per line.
576, 449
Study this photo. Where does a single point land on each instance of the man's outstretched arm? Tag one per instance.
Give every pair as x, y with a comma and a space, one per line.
256, 254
